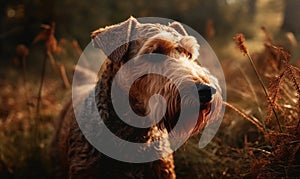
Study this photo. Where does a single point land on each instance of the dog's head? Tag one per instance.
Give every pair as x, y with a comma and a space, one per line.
172, 54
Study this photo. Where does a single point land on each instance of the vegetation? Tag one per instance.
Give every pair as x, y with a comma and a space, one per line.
259, 135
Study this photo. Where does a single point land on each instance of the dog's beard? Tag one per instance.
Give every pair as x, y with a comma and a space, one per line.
192, 124
195, 118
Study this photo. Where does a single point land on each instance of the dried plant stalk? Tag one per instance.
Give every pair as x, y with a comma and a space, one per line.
240, 42
289, 73
63, 75
39, 98
253, 121
269, 37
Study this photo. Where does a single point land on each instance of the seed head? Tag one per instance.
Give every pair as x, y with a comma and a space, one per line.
240, 42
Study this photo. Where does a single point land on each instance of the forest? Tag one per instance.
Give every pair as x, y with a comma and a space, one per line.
257, 45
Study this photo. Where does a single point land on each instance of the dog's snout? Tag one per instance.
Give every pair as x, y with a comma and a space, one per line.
205, 93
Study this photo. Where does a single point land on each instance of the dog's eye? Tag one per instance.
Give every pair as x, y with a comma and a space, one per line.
179, 49
182, 50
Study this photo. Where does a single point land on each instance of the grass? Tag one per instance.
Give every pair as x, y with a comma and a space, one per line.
240, 148
28, 112
249, 143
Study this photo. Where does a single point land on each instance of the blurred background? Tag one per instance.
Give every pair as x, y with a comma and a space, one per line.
41, 41
21, 19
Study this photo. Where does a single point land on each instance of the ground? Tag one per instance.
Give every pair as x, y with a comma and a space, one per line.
238, 150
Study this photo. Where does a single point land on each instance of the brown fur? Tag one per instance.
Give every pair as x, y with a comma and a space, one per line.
79, 159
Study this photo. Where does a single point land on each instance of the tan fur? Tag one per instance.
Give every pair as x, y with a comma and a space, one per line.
181, 51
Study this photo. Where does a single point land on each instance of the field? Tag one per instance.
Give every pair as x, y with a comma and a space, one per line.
260, 133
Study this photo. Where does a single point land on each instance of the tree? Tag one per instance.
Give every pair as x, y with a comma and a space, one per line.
252, 7
291, 16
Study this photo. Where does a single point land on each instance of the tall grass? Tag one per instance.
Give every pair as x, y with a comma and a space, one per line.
256, 147
282, 131
250, 142
30, 102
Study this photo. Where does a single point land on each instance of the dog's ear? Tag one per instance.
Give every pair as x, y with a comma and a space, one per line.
114, 40
157, 45
179, 28
188, 43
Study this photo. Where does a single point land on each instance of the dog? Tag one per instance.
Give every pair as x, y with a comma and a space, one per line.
172, 54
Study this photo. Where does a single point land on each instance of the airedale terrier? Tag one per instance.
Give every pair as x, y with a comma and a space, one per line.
164, 48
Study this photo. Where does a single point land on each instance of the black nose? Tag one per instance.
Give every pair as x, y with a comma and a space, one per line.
205, 93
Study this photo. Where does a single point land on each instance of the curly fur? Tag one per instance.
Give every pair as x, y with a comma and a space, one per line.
77, 158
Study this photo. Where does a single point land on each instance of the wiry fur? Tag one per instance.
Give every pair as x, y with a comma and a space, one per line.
80, 159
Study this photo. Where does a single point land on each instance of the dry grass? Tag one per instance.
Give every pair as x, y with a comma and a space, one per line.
249, 143
252, 142
28, 111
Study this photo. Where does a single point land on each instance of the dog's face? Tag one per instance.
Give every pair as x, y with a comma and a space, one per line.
172, 54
